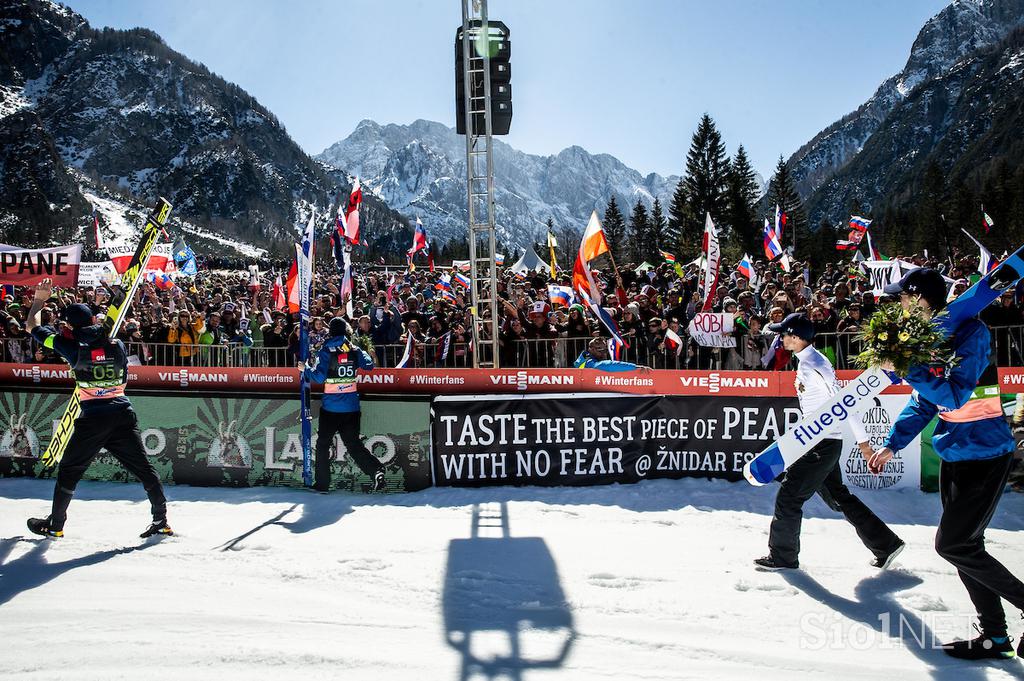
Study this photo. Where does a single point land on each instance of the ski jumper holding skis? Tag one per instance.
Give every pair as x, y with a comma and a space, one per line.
818, 470
100, 367
336, 365
976, 448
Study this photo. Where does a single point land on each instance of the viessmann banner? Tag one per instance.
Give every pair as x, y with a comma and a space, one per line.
601, 439
445, 381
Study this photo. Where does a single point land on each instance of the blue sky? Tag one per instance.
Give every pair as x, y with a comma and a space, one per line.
626, 78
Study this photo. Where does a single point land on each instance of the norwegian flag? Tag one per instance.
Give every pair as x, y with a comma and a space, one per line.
352, 214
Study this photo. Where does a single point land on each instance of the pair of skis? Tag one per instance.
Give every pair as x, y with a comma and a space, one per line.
859, 394
116, 310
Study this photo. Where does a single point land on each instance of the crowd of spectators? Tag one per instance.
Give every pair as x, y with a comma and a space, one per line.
224, 316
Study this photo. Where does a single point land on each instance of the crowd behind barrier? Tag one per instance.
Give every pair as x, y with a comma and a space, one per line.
228, 315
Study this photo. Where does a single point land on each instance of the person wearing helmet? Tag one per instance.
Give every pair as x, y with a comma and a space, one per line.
976, 448
107, 420
336, 366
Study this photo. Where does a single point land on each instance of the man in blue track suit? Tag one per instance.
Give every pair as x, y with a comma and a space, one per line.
596, 357
336, 366
976, 448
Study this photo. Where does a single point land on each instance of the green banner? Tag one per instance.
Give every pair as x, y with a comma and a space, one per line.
227, 441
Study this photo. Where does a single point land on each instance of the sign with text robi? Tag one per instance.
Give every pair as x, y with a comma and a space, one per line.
29, 266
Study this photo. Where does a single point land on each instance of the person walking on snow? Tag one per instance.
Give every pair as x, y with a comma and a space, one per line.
818, 470
107, 420
976, 448
336, 366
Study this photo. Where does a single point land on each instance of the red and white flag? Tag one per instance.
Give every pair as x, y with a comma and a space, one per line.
292, 285
712, 261
352, 214
96, 226
280, 300
673, 342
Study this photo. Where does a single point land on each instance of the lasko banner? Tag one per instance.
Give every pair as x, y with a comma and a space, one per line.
235, 442
29, 266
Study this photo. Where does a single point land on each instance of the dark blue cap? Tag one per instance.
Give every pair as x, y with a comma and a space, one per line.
77, 315
925, 282
796, 324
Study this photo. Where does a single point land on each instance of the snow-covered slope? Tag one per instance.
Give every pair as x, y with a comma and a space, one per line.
628, 582
419, 169
957, 31
124, 110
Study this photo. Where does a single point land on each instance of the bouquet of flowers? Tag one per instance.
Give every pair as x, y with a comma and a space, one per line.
903, 338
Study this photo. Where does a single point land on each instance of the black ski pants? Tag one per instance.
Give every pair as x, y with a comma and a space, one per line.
345, 424
970, 491
118, 432
818, 471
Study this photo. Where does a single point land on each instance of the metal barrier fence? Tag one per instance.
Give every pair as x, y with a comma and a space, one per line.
842, 349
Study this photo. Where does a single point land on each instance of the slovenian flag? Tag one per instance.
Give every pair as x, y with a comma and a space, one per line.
461, 280
419, 239
986, 263
669, 258
499, 259
780, 222
560, 295
745, 267
859, 224
444, 283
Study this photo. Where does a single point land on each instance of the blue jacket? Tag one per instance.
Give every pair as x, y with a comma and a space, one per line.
983, 439
587, 361
345, 402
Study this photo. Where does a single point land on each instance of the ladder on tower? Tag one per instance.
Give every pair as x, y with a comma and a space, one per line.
480, 183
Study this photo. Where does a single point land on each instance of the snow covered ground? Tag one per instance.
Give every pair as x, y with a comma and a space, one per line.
648, 581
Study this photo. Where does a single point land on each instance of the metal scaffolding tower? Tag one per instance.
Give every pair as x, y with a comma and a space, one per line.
476, 71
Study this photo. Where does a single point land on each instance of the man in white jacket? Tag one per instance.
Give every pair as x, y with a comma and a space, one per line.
818, 470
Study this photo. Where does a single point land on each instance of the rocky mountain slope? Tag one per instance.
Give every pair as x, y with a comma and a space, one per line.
955, 34
120, 110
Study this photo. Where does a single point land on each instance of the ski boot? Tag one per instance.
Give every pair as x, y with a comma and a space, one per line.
157, 527
41, 526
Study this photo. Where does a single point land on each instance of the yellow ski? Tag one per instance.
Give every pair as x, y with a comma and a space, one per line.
119, 304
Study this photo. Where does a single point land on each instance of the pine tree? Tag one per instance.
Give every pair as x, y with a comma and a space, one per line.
782, 192
707, 168
660, 238
614, 228
678, 215
639, 234
741, 194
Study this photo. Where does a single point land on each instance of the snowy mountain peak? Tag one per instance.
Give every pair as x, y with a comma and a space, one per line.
419, 169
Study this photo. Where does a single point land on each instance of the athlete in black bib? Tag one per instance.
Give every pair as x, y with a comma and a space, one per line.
100, 366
